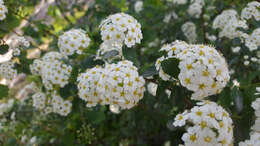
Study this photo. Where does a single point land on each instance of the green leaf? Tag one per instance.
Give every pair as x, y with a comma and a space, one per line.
150, 71
4, 49
170, 66
68, 139
110, 54
96, 116
68, 90
3, 91
90, 62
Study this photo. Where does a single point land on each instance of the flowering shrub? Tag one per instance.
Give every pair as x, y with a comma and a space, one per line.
173, 72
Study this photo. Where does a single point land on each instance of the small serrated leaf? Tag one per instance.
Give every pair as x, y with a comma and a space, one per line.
3, 91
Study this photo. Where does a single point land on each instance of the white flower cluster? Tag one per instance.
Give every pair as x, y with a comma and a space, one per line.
87, 86
121, 28
255, 134
39, 100
228, 22
52, 70
208, 124
73, 41
189, 30
54, 104
5, 106
116, 84
7, 70
202, 69
20, 41
253, 41
248, 60
3, 10
169, 16
195, 9
17, 43
138, 6
236, 49
212, 38
251, 10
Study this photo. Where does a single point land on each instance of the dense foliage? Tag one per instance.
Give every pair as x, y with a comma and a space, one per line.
66, 64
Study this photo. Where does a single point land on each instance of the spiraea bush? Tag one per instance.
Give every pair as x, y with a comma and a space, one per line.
121, 72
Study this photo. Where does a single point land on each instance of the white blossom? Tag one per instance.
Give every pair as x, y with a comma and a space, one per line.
121, 28
138, 6
3, 11
52, 70
251, 10
189, 30
116, 84
73, 41
209, 124
7, 70
203, 69
228, 22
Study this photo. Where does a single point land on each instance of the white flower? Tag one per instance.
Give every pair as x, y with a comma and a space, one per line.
16, 52
251, 10
52, 70
3, 11
87, 86
121, 85
235, 49
53, 103
209, 124
253, 41
5, 106
39, 100
211, 37
180, 119
246, 63
7, 70
189, 30
202, 69
116, 84
195, 9
228, 22
122, 29
257, 91
33, 140
152, 88
138, 6
73, 41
